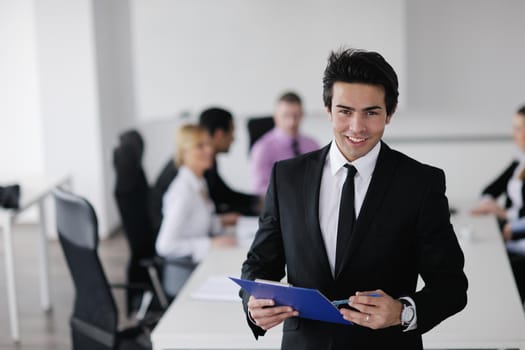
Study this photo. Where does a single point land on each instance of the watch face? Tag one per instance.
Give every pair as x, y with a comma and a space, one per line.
407, 315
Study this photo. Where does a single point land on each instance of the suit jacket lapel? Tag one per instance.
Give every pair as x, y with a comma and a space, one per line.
379, 184
312, 186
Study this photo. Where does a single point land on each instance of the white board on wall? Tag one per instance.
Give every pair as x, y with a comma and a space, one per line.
242, 54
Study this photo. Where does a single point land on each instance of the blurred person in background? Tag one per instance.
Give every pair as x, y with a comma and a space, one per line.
511, 216
190, 226
219, 124
284, 141
221, 128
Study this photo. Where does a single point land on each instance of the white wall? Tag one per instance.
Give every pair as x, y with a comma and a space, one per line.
243, 54
20, 122
465, 76
73, 75
67, 91
444, 51
115, 84
69, 96
466, 57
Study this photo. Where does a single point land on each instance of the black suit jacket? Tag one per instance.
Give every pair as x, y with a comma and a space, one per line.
499, 187
403, 230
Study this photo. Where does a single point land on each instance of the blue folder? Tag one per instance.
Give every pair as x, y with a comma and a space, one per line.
309, 302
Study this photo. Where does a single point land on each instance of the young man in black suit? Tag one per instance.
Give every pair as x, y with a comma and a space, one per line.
355, 218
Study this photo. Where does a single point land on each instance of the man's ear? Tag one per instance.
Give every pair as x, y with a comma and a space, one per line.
218, 134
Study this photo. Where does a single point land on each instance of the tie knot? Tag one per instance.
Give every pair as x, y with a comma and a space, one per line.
351, 170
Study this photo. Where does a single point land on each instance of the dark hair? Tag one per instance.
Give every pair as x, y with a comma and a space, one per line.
521, 110
290, 97
360, 66
215, 118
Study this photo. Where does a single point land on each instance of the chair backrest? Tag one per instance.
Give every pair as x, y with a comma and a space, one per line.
132, 195
168, 173
94, 309
257, 127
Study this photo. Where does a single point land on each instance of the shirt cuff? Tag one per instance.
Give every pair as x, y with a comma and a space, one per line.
413, 324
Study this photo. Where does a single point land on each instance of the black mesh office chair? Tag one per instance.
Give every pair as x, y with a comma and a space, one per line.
132, 194
166, 176
95, 318
257, 127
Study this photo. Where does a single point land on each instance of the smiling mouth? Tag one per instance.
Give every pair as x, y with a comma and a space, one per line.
356, 139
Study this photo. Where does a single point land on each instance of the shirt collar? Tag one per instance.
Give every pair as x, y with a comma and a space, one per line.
282, 135
194, 181
365, 165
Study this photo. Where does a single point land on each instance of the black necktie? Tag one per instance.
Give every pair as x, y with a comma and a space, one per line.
346, 215
295, 147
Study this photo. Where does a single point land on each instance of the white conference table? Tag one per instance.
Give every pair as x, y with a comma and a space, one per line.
493, 318
33, 192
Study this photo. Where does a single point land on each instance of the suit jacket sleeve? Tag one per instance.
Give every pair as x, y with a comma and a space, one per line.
226, 199
266, 256
440, 259
499, 186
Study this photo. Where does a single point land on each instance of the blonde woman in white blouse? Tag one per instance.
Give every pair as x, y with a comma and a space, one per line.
189, 226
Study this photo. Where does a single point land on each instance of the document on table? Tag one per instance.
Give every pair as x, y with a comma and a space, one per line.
218, 288
310, 303
246, 228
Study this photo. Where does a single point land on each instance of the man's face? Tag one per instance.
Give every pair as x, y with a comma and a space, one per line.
358, 117
222, 140
288, 117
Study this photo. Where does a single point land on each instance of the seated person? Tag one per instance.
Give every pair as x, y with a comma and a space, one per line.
510, 184
189, 226
219, 124
282, 142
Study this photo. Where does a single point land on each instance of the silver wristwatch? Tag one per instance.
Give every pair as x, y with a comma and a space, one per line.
407, 313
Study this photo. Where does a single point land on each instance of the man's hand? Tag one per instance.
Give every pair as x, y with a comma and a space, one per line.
507, 232
374, 312
222, 241
229, 219
266, 315
487, 207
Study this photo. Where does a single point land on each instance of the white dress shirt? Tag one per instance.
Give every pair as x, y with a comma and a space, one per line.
188, 218
334, 176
